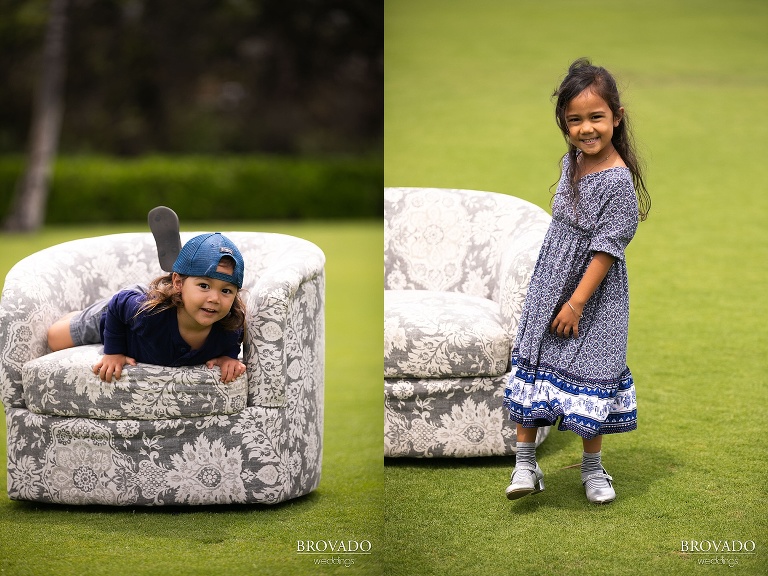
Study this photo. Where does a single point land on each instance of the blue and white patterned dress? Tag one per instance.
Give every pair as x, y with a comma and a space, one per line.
584, 381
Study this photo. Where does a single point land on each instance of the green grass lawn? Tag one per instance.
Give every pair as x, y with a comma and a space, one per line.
240, 540
467, 105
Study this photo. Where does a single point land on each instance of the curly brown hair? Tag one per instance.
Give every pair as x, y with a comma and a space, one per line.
582, 75
162, 295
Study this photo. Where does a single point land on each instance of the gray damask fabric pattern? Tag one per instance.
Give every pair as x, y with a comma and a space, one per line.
164, 436
63, 384
442, 334
457, 264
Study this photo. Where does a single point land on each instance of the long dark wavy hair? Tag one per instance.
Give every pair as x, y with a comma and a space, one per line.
582, 75
162, 295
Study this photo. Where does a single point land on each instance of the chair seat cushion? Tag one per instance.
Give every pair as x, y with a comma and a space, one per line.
63, 384
431, 334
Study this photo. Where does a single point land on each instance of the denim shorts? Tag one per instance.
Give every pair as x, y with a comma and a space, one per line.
85, 326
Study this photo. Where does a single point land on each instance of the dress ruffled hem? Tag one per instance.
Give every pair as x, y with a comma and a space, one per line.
539, 397
585, 427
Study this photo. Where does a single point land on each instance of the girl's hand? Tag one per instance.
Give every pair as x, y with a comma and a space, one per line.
112, 365
566, 323
230, 368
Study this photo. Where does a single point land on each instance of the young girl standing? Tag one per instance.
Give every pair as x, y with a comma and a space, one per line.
569, 358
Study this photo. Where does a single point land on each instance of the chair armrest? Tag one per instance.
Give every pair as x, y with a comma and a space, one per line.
23, 336
45, 285
284, 323
516, 268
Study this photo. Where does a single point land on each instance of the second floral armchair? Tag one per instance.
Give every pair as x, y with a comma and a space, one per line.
456, 269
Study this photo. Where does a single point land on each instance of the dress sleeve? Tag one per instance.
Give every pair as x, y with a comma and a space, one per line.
121, 310
617, 220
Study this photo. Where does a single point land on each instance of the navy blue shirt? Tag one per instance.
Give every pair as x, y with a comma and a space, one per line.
155, 339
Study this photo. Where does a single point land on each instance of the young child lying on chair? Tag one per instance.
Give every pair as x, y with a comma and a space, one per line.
193, 315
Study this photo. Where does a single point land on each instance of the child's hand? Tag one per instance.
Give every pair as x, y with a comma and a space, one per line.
112, 365
230, 368
566, 323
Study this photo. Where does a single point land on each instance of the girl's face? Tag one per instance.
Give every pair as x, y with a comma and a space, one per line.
590, 124
206, 300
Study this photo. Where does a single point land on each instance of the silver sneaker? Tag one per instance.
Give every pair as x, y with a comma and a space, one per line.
525, 481
599, 487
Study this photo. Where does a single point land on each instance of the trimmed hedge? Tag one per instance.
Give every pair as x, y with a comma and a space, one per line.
106, 189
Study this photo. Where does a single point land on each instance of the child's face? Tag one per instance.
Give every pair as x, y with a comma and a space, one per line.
590, 123
206, 300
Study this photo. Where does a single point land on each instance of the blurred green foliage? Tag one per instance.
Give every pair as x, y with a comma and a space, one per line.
107, 189
201, 77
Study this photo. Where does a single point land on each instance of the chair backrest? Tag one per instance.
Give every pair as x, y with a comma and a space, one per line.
46, 285
456, 240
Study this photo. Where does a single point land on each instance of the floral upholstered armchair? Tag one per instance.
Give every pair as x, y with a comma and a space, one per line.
163, 435
456, 269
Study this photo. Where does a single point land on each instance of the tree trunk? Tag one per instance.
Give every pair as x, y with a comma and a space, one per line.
28, 209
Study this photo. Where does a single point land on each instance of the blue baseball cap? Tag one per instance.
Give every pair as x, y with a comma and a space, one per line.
201, 255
